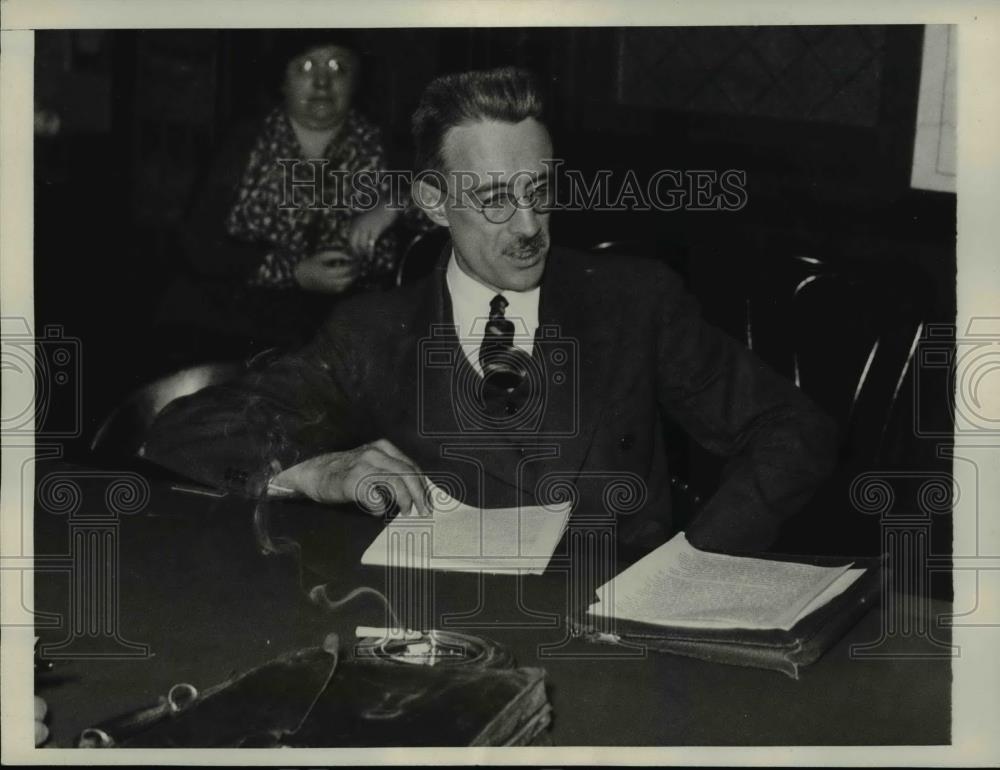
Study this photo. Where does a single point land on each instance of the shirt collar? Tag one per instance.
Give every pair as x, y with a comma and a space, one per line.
470, 301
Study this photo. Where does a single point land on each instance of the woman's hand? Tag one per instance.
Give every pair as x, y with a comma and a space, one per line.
367, 228
327, 272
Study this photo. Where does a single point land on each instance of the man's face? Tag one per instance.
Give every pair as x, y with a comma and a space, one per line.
503, 159
319, 86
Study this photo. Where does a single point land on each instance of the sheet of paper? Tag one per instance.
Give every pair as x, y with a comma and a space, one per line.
678, 585
832, 591
459, 537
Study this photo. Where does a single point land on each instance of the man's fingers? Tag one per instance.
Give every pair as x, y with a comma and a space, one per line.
357, 475
378, 491
410, 476
418, 494
416, 480
392, 450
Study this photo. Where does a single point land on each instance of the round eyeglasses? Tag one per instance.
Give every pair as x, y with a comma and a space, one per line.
501, 207
333, 65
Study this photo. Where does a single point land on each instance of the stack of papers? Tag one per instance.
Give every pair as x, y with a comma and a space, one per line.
678, 585
460, 538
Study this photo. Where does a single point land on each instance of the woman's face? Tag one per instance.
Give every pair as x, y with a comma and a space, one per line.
319, 86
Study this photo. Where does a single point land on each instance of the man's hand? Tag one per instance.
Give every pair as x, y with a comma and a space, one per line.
328, 272
373, 475
367, 228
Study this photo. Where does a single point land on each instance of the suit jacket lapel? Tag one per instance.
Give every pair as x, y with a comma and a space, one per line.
590, 342
422, 375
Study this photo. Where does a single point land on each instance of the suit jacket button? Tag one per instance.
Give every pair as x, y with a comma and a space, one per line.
626, 441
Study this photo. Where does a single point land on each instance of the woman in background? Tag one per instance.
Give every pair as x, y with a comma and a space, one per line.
268, 267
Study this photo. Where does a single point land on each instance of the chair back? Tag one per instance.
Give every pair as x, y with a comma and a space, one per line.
845, 333
672, 254
123, 431
420, 255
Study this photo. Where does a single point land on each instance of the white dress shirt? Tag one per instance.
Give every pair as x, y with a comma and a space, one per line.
470, 306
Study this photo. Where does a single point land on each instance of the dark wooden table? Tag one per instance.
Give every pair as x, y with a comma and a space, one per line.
148, 591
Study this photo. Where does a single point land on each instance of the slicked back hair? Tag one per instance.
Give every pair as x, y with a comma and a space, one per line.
507, 94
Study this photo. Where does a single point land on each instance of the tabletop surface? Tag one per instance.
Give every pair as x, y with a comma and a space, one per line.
189, 583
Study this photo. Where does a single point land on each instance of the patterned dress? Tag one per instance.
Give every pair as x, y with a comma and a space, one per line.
315, 213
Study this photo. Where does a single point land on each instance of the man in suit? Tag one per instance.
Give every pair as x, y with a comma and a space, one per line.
514, 371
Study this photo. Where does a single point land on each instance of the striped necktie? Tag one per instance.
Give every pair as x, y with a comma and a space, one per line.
504, 365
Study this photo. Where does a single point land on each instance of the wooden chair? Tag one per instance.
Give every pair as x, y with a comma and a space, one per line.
847, 334
671, 254
421, 255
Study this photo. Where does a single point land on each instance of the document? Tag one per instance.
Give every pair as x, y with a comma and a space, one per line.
678, 585
462, 538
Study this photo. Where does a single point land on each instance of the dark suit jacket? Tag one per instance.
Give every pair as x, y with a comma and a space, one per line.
619, 347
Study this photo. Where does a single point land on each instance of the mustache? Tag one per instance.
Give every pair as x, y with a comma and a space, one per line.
530, 246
